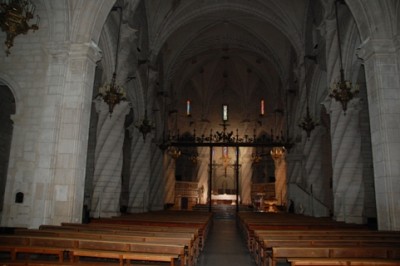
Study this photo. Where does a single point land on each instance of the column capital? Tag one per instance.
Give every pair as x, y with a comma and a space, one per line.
278, 153
90, 50
372, 47
63, 51
327, 27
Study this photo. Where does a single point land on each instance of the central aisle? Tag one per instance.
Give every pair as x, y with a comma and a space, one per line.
225, 247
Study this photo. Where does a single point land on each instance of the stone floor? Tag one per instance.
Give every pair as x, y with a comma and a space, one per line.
225, 246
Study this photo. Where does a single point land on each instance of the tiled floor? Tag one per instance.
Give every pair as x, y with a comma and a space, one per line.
225, 246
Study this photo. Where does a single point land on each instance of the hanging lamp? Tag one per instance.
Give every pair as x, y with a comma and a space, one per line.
343, 91
14, 18
112, 94
145, 126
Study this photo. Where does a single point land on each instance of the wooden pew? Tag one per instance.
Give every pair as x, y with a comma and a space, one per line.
15, 245
127, 251
164, 221
161, 238
343, 261
268, 235
201, 221
76, 248
264, 240
362, 243
150, 236
172, 236
251, 222
334, 252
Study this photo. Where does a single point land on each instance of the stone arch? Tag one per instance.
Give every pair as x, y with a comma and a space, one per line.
107, 62
56, 33
276, 21
373, 18
397, 16
92, 16
15, 90
89, 20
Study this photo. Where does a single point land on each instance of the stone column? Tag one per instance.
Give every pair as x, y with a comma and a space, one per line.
295, 174
169, 177
157, 185
48, 160
203, 172
318, 186
108, 159
347, 180
245, 175
295, 168
382, 64
278, 155
140, 173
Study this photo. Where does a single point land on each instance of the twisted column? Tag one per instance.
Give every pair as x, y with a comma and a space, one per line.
108, 160
157, 184
245, 176
348, 187
203, 173
140, 169
278, 154
169, 177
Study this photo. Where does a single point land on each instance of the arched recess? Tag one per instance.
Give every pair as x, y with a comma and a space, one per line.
7, 108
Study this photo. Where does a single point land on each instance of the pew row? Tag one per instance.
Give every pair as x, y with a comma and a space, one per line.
269, 236
154, 237
337, 253
75, 248
265, 240
342, 261
185, 239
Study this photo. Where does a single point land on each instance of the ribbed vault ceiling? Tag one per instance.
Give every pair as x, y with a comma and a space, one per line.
236, 52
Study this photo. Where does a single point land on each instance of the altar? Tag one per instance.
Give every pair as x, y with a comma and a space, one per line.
227, 199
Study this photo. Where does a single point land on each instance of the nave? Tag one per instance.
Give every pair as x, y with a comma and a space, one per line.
195, 238
225, 246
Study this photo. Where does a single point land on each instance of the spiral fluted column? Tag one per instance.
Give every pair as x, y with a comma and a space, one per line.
279, 156
108, 160
203, 173
140, 173
157, 184
245, 176
169, 177
348, 187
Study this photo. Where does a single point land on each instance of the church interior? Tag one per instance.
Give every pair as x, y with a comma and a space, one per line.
261, 112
